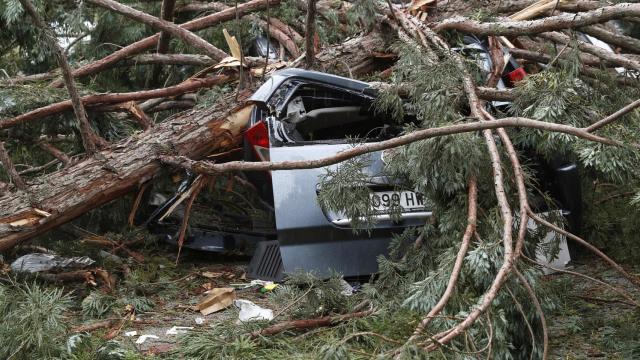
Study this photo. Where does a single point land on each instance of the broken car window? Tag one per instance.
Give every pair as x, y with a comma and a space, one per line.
321, 114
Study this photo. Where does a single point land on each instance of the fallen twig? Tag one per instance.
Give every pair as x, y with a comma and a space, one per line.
309, 323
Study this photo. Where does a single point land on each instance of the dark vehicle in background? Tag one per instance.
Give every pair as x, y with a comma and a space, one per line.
305, 115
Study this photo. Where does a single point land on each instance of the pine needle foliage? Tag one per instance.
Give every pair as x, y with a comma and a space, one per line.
427, 93
33, 321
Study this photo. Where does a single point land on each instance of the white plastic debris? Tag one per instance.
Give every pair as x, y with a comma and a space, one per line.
38, 262
251, 312
131, 333
253, 283
199, 320
179, 330
144, 338
347, 289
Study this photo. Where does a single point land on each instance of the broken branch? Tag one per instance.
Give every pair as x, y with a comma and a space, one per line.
552, 23
205, 167
186, 86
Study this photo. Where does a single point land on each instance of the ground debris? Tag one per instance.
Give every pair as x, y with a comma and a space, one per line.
216, 300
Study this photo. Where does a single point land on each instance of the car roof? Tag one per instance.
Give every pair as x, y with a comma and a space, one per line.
273, 83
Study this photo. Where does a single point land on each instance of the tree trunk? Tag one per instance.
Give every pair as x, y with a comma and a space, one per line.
66, 194
310, 33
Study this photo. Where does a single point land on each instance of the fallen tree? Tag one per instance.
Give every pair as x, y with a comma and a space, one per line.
460, 146
64, 195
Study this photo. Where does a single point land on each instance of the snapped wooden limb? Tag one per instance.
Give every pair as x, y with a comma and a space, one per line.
615, 39
603, 54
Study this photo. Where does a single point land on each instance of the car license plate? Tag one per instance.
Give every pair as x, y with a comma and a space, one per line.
408, 201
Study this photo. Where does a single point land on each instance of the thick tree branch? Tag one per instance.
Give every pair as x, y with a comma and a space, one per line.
552, 23
626, 42
613, 58
309, 323
509, 6
199, 7
167, 27
65, 194
613, 117
277, 23
186, 86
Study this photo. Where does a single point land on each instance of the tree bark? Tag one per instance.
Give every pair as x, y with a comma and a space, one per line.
167, 27
209, 168
310, 32
90, 140
193, 25
73, 191
277, 23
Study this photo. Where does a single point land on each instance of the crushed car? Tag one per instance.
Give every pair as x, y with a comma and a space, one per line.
305, 115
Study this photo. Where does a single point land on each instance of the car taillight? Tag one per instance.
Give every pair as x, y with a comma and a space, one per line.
258, 137
516, 75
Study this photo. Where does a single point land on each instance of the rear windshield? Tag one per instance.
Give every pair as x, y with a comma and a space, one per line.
320, 114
